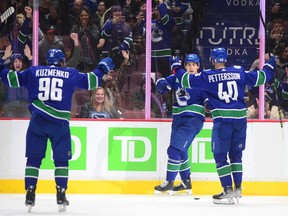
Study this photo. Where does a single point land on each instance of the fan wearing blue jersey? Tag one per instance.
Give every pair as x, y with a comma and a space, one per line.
225, 89
50, 90
188, 118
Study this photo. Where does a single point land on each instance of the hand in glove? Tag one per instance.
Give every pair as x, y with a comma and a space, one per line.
175, 63
162, 86
106, 65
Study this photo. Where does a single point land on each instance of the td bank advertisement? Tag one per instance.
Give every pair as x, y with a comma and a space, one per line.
125, 150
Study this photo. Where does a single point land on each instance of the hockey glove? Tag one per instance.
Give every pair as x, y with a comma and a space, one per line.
175, 63
106, 65
162, 86
271, 62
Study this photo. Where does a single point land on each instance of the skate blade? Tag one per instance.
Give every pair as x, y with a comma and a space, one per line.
183, 192
169, 192
29, 208
62, 208
238, 199
225, 201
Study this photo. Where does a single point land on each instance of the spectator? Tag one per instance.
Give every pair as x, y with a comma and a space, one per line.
138, 99
50, 41
88, 34
116, 36
17, 100
48, 14
253, 111
176, 9
74, 13
277, 36
20, 34
162, 29
277, 9
99, 106
102, 13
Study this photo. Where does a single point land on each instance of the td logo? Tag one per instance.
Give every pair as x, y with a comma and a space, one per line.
200, 153
78, 161
132, 149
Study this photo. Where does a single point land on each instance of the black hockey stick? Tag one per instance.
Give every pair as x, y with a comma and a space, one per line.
201, 54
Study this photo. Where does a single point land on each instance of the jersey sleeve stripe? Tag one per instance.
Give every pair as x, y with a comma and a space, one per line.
185, 81
92, 81
261, 79
12, 77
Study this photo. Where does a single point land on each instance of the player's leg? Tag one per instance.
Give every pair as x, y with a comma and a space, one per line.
185, 184
173, 166
36, 142
235, 156
61, 145
221, 138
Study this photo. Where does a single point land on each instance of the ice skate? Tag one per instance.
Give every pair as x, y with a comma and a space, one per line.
226, 197
30, 197
237, 192
165, 188
184, 186
61, 199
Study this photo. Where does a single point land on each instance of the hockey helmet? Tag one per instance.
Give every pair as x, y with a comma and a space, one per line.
55, 56
218, 55
192, 58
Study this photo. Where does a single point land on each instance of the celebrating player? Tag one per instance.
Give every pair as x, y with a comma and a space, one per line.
225, 89
188, 117
50, 90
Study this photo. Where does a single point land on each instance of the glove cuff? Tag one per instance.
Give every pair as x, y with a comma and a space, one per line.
174, 66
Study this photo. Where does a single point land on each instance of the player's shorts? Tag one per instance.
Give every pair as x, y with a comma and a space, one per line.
184, 130
228, 137
38, 133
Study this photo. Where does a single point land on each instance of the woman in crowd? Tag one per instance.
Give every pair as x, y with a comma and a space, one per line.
99, 106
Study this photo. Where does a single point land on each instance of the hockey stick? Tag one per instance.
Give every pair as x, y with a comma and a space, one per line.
279, 109
7, 14
201, 54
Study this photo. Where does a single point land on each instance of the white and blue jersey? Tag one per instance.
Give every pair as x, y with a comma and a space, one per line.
225, 89
50, 88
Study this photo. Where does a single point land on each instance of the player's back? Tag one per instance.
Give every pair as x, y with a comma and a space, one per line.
50, 90
225, 89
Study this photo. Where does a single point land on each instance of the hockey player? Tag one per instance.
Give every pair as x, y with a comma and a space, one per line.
225, 89
50, 90
188, 117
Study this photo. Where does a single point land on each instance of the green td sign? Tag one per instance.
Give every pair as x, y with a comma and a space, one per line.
78, 161
200, 154
132, 149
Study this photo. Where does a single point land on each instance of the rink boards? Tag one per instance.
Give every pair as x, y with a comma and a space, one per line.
129, 157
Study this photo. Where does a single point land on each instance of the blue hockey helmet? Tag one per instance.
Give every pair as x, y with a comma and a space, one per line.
218, 55
192, 58
55, 56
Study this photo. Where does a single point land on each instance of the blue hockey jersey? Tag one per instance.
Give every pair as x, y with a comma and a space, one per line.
225, 88
189, 102
50, 88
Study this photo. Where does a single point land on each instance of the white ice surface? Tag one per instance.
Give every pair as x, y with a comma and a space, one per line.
143, 205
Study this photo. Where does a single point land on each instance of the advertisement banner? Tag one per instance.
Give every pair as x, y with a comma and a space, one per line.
234, 25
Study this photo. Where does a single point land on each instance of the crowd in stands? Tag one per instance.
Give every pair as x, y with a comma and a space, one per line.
117, 28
